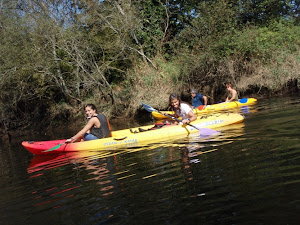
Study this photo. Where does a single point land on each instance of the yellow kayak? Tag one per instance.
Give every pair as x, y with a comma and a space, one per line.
133, 137
212, 108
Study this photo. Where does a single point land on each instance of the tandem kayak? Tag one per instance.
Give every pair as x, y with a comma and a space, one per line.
212, 108
132, 137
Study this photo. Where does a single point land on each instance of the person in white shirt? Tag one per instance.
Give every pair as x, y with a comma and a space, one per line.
181, 109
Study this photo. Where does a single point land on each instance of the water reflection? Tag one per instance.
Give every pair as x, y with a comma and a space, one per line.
72, 173
108, 173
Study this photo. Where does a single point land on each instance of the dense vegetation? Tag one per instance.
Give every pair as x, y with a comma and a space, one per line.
56, 55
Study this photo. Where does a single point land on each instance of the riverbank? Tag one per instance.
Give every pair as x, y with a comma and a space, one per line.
51, 80
70, 126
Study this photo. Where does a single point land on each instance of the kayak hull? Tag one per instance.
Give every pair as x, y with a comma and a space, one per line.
212, 108
125, 138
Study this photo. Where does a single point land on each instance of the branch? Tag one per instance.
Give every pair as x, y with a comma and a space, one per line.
141, 53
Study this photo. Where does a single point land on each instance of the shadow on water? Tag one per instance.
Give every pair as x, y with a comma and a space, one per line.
247, 174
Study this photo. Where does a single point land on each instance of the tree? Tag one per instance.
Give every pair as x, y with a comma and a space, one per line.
261, 12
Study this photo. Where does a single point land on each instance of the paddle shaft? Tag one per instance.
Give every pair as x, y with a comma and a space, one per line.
178, 120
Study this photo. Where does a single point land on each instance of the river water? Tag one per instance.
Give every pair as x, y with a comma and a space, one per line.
248, 174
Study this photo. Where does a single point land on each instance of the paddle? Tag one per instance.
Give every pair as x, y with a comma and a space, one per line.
54, 148
206, 130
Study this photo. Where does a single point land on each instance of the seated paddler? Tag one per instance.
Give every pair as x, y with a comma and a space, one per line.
181, 109
97, 126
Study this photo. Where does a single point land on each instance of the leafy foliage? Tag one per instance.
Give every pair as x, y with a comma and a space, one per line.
62, 54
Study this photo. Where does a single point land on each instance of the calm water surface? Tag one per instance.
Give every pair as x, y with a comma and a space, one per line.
249, 174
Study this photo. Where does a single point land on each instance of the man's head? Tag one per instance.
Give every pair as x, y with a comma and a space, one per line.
193, 92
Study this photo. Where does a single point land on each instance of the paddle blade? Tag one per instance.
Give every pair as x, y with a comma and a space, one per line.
54, 148
205, 132
148, 107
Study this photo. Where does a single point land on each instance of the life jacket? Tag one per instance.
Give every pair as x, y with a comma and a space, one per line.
104, 130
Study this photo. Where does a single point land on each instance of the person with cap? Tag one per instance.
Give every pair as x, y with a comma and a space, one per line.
199, 100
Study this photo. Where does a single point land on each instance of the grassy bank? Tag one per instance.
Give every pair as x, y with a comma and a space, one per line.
254, 65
